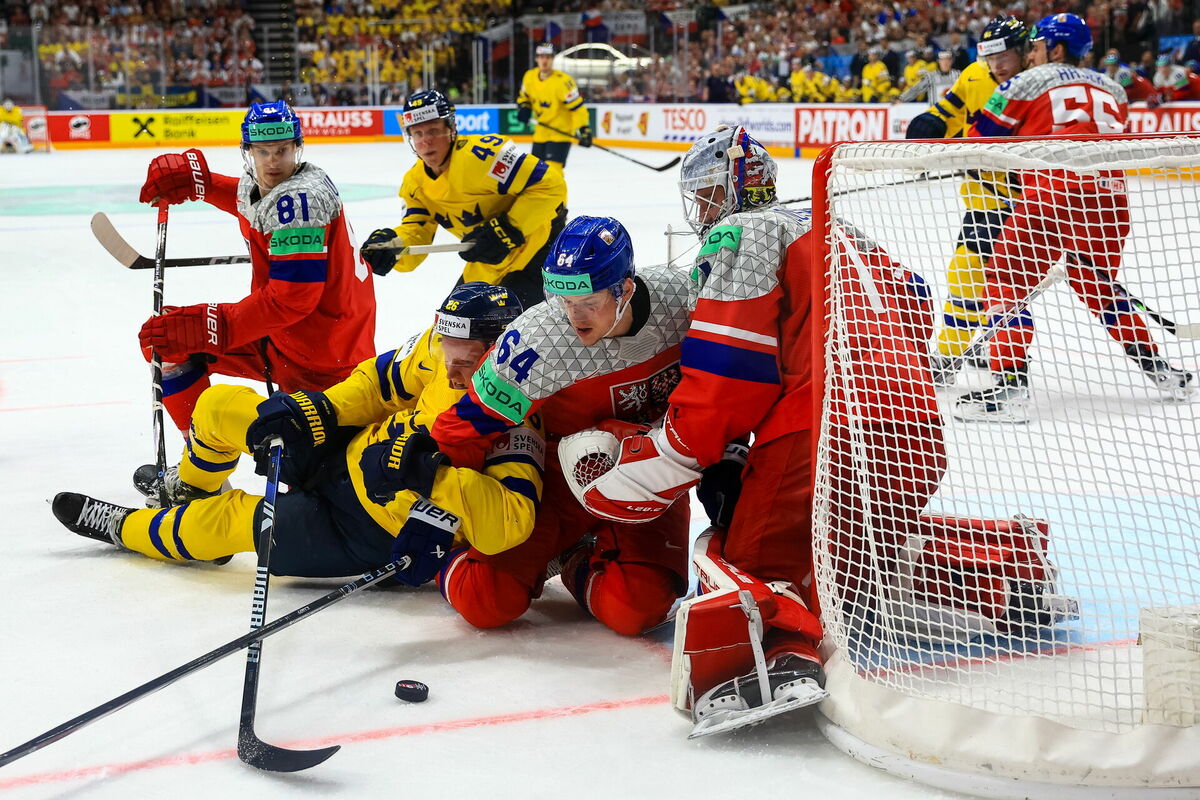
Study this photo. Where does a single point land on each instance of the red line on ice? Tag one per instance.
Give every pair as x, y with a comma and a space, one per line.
108, 770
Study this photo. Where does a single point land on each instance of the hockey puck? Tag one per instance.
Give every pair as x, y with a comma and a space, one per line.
412, 691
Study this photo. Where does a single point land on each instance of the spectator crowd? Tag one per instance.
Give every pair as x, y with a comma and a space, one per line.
361, 51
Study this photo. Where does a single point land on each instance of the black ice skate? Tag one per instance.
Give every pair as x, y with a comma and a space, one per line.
1176, 382
90, 517
145, 480
946, 368
794, 681
1007, 402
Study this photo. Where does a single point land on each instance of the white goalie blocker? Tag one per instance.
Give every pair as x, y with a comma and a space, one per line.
13, 139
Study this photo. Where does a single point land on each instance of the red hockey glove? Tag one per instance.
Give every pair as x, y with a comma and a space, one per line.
175, 177
179, 332
647, 475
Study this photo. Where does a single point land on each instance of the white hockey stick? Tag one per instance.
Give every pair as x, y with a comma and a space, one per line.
1056, 273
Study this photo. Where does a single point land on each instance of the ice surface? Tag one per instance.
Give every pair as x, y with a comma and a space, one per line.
554, 706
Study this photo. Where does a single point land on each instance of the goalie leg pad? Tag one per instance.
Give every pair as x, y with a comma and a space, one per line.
965, 577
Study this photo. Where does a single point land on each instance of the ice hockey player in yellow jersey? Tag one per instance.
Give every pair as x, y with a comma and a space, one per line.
551, 99
508, 205
369, 484
986, 195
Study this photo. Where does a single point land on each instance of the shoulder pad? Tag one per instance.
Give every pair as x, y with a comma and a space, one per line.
741, 257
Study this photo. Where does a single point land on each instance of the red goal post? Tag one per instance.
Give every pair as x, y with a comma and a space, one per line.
1030, 625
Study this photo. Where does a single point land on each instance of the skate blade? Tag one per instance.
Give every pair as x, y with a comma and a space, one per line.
1008, 415
801, 694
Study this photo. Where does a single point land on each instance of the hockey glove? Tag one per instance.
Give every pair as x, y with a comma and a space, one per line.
423, 544
408, 462
492, 241
524, 113
721, 484
925, 126
175, 177
303, 420
648, 475
1156, 99
381, 261
584, 135
178, 332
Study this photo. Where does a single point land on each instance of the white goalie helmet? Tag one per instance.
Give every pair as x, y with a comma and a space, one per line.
730, 158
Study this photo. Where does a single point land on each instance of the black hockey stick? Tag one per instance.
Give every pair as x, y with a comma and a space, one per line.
124, 253
250, 748
197, 664
156, 381
663, 168
1185, 331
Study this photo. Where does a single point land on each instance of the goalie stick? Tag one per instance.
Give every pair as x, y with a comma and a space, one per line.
663, 168
197, 664
126, 255
251, 749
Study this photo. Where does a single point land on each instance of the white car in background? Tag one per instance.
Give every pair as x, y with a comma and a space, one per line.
598, 63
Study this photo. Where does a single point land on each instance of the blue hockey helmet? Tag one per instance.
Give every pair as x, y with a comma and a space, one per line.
477, 310
590, 255
425, 106
1066, 29
1001, 34
271, 122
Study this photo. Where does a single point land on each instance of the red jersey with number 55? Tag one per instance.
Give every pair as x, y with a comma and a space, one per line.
1054, 98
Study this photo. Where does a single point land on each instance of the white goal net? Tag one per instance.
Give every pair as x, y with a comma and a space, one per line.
1008, 564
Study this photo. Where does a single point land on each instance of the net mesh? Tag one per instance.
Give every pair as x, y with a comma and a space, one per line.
1000, 541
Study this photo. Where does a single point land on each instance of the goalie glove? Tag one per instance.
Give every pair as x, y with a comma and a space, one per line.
632, 480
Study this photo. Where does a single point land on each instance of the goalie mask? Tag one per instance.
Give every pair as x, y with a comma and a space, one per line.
724, 172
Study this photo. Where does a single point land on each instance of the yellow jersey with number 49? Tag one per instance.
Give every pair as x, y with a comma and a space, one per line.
487, 176
556, 102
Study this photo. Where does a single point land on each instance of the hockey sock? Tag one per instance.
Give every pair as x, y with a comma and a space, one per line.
218, 435
182, 386
203, 530
963, 313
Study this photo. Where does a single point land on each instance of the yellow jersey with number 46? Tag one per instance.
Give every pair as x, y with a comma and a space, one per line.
487, 176
556, 102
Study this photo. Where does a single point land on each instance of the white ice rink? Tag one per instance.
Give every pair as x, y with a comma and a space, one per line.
554, 706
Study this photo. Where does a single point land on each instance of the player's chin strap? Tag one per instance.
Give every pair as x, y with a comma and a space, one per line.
621, 307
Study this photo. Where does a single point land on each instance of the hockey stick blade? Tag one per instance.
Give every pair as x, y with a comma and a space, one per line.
260, 755
195, 665
616, 153
123, 252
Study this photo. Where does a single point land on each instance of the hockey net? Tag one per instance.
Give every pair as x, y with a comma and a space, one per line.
1021, 615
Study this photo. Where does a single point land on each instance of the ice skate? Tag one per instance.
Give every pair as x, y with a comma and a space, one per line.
1172, 381
89, 517
145, 480
795, 682
1007, 402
